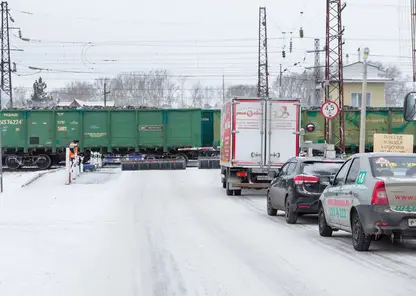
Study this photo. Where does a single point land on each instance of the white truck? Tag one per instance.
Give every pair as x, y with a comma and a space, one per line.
257, 137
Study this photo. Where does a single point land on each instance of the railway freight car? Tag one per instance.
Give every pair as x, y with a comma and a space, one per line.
379, 120
39, 137
211, 125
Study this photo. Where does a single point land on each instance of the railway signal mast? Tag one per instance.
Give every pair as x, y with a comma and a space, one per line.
5, 66
263, 66
334, 128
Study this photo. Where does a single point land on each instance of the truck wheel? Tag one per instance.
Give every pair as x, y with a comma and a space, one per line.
324, 229
237, 192
228, 191
360, 240
290, 217
270, 210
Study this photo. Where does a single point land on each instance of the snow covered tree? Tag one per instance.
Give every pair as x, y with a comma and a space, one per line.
40, 97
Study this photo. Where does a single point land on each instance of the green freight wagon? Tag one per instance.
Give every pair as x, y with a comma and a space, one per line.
379, 120
40, 137
210, 124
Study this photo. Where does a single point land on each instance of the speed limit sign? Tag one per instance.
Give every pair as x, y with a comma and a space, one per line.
329, 109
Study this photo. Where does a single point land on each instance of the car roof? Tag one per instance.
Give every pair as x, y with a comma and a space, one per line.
381, 154
322, 159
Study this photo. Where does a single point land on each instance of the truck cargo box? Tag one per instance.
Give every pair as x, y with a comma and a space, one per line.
259, 133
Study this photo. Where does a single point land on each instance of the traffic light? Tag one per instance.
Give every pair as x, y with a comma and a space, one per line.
283, 54
290, 45
310, 127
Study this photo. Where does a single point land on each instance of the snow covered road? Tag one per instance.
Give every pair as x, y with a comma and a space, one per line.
158, 233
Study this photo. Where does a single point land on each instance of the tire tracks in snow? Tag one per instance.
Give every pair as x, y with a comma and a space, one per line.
338, 244
282, 276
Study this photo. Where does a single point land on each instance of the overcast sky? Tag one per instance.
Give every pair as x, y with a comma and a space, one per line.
201, 39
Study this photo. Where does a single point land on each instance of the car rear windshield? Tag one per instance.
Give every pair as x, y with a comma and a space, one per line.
321, 168
393, 166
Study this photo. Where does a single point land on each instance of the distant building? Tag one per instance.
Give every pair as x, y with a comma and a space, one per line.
353, 79
80, 103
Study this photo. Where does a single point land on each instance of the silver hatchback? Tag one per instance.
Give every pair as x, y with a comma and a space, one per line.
372, 194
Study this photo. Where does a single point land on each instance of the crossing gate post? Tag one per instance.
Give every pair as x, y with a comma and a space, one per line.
99, 160
81, 164
68, 167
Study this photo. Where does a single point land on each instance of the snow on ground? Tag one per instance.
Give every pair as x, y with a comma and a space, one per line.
15, 180
158, 233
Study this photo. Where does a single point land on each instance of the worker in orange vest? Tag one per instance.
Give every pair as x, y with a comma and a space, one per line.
72, 151
76, 150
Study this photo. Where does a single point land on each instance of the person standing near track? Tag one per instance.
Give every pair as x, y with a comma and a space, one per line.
72, 151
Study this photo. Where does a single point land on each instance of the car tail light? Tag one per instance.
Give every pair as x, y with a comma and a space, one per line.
379, 196
301, 179
241, 174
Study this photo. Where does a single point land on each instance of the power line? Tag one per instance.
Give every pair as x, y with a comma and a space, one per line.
193, 41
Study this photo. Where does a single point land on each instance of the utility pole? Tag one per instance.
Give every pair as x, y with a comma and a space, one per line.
334, 80
263, 71
413, 32
317, 71
223, 89
280, 81
5, 64
364, 103
105, 94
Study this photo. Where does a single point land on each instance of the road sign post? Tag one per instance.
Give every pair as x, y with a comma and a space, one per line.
329, 110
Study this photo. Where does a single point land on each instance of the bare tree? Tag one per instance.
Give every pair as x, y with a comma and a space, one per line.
296, 85
80, 90
396, 90
20, 96
182, 91
197, 95
171, 93
241, 90
209, 99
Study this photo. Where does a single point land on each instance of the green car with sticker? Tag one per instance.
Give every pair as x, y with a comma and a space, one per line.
372, 195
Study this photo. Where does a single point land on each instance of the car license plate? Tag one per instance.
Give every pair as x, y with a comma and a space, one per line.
411, 222
258, 171
266, 178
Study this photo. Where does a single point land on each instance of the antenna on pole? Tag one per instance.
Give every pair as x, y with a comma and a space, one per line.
263, 71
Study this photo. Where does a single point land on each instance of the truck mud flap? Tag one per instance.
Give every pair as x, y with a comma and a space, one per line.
208, 163
146, 165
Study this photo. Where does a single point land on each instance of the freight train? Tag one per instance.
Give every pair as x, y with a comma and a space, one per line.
39, 138
379, 120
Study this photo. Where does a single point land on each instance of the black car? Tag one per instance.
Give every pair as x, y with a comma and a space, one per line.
297, 187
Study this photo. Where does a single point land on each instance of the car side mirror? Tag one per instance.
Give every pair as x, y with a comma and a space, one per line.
332, 180
409, 108
274, 174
